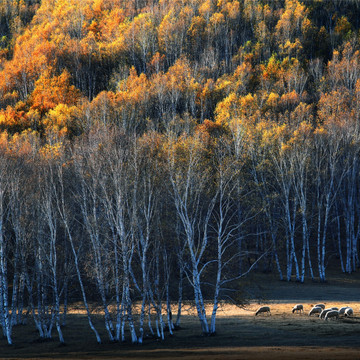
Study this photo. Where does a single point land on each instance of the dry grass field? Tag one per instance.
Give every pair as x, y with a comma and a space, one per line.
240, 335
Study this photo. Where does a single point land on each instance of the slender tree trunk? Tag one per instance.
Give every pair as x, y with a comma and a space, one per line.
321, 276
82, 288
199, 302
339, 240
180, 296
273, 237
217, 286
4, 284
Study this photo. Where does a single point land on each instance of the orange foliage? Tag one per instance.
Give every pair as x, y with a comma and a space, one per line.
50, 91
103, 107
13, 119
211, 128
134, 89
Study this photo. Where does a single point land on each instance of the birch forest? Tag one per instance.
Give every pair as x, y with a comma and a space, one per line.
157, 151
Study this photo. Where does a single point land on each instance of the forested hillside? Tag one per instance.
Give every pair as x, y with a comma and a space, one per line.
157, 150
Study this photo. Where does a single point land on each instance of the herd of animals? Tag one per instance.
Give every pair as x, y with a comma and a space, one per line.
318, 309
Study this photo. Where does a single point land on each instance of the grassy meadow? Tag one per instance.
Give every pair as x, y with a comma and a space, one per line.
240, 335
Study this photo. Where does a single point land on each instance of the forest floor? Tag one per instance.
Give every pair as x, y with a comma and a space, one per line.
240, 335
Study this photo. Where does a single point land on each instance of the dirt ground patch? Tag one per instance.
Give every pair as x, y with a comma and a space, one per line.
240, 335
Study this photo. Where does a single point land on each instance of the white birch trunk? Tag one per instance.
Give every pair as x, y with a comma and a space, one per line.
4, 283
149, 317
217, 289
180, 296
82, 288
63, 211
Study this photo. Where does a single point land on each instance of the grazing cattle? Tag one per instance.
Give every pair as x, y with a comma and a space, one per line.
315, 310
332, 314
263, 309
298, 307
